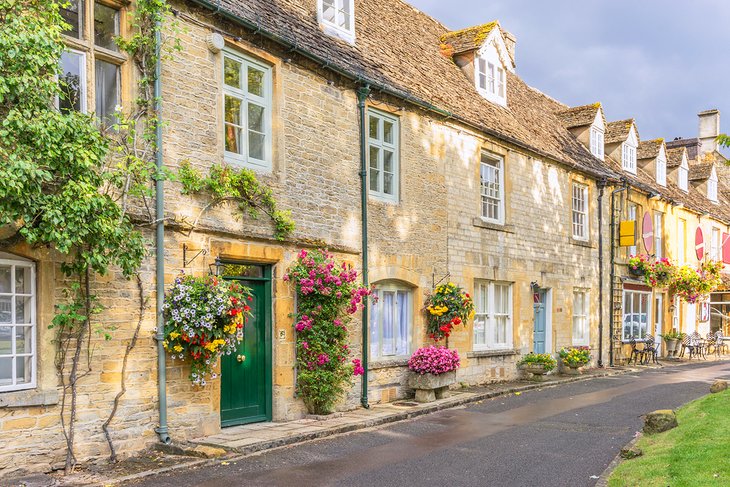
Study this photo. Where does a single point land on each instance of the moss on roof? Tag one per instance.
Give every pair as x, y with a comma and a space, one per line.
468, 39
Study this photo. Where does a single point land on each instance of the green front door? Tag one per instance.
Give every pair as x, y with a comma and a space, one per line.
246, 374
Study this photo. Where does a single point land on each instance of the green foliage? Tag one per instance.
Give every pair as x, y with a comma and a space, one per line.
575, 356
327, 294
238, 186
446, 307
545, 359
694, 453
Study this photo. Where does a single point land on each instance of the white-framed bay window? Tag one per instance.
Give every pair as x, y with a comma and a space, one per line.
383, 162
493, 317
391, 321
337, 18
683, 175
17, 323
636, 313
628, 157
597, 138
247, 101
658, 235
491, 79
491, 183
580, 211
712, 186
661, 169
581, 317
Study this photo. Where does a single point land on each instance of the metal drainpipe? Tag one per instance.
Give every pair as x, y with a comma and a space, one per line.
613, 271
601, 187
362, 94
160, 245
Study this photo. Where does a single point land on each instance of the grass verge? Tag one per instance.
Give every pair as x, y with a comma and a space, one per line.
696, 453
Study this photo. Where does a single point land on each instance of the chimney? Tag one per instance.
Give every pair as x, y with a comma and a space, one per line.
510, 41
709, 130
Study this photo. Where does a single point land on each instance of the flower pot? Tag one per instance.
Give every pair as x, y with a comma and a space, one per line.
572, 369
537, 371
430, 387
636, 272
672, 345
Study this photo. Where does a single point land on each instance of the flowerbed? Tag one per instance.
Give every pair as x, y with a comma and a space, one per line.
204, 319
434, 360
575, 356
448, 306
327, 294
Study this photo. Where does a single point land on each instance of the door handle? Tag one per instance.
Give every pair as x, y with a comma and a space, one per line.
240, 358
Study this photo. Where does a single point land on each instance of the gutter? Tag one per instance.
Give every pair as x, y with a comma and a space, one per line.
161, 430
360, 79
362, 94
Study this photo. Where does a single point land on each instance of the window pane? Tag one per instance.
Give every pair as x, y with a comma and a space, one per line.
5, 340
256, 145
404, 304
256, 137
106, 26
232, 72
374, 320
107, 90
23, 310
72, 12
23, 370
255, 117
73, 90
388, 344
6, 306
233, 124
233, 110
374, 171
5, 279
22, 280
23, 339
255, 81
387, 132
388, 178
374, 128
6, 371
328, 10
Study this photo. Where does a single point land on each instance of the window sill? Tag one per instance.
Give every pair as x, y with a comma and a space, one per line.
29, 398
380, 198
491, 353
478, 222
388, 363
582, 243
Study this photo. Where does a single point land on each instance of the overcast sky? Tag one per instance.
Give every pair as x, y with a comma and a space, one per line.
658, 61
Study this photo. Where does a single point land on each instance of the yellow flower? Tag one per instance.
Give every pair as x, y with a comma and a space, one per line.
178, 348
164, 344
174, 335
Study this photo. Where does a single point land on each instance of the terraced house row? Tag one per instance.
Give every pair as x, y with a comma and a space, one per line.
381, 130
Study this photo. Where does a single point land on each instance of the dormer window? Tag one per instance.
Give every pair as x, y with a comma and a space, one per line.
661, 169
712, 187
337, 18
683, 176
597, 142
628, 157
491, 81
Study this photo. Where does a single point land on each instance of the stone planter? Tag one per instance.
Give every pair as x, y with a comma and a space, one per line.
671, 346
572, 369
537, 371
430, 387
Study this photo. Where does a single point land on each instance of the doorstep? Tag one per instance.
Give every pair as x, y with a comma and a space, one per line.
257, 437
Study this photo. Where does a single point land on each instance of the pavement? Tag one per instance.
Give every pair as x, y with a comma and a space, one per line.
551, 436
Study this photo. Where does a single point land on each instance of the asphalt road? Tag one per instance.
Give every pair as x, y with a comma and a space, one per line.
558, 436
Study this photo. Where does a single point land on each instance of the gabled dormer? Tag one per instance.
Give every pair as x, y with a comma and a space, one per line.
678, 167
622, 143
485, 53
712, 185
588, 124
652, 157
337, 18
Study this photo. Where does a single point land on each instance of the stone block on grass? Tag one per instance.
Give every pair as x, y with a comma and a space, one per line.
718, 386
659, 421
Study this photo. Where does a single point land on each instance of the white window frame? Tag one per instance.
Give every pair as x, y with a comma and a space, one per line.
580, 212
82, 79
683, 175
241, 94
632, 298
485, 194
597, 142
24, 263
712, 187
658, 235
486, 316
346, 33
681, 241
661, 171
716, 244
376, 321
491, 79
581, 318
628, 157
382, 146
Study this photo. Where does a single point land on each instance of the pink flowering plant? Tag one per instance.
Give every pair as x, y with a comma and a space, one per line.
433, 360
328, 293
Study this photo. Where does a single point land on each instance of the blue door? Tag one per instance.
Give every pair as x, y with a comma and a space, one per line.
540, 321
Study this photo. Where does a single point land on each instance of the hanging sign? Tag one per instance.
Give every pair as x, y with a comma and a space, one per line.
627, 233
647, 232
704, 311
726, 248
699, 244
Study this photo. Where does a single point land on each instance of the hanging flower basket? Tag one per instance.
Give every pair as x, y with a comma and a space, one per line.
204, 319
447, 307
